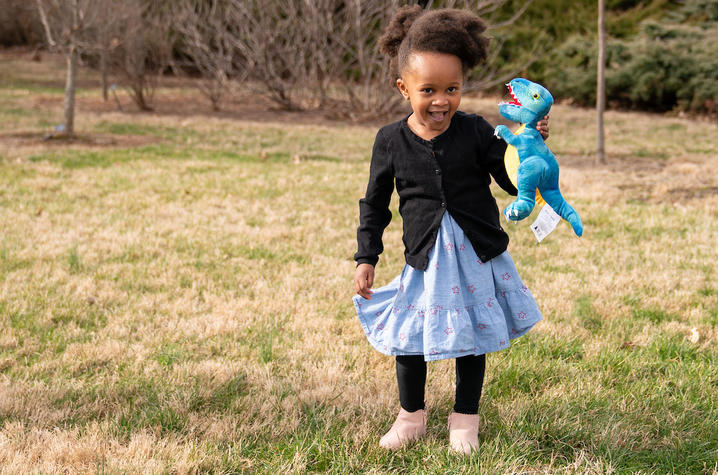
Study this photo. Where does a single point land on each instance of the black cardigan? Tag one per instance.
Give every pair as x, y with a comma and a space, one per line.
449, 172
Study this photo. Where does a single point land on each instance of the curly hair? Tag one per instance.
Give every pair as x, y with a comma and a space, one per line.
450, 31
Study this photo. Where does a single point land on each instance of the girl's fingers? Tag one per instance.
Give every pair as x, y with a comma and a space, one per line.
366, 290
363, 280
366, 293
542, 127
363, 288
360, 286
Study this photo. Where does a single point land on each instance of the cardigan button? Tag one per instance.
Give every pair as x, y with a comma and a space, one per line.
443, 204
437, 171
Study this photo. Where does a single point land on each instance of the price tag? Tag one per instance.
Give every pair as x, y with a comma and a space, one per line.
545, 223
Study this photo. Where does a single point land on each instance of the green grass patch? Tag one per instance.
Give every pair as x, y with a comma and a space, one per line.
170, 354
9, 263
222, 397
675, 349
655, 315
707, 291
126, 128
17, 112
72, 160
590, 319
148, 415
73, 260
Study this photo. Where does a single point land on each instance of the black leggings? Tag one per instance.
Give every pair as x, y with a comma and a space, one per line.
411, 376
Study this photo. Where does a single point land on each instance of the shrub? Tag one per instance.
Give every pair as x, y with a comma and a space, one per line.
670, 65
19, 24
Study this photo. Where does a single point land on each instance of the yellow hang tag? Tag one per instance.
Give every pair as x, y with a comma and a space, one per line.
511, 161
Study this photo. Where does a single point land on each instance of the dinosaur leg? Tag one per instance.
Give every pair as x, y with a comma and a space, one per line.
531, 171
556, 201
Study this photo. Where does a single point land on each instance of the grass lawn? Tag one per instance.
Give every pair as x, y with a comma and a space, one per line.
175, 297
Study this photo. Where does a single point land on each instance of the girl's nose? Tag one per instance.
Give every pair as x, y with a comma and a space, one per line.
440, 100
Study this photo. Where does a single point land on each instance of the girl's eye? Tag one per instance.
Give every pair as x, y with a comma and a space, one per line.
453, 89
427, 90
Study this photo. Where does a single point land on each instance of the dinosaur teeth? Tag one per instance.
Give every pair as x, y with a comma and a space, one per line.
515, 101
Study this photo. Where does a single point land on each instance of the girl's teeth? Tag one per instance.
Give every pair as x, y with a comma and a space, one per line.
438, 116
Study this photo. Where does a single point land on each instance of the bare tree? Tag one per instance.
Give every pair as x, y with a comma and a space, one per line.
210, 36
140, 47
363, 71
106, 42
309, 53
318, 20
273, 37
601, 82
69, 25
319, 53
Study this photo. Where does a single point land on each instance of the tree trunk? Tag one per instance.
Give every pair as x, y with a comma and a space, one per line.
70, 90
103, 72
601, 82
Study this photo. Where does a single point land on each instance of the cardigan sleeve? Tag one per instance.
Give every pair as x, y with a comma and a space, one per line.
495, 149
374, 214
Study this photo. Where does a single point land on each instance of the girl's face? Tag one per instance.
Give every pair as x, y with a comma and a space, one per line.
432, 83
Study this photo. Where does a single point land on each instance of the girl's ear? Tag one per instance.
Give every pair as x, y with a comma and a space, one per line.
402, 88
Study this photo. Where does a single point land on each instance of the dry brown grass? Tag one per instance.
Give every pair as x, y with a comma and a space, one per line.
177, 299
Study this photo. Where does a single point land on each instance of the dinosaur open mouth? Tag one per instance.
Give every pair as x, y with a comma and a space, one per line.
514, 100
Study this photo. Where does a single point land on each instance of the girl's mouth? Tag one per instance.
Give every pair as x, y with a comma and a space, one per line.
438, 116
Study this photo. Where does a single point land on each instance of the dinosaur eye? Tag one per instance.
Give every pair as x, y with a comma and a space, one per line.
536, 95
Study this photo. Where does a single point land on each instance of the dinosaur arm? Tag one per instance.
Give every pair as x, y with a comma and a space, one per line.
503, 132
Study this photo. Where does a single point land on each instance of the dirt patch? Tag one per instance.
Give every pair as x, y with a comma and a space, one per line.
93, 141
660, 193
685, 194
179, 102
614, 163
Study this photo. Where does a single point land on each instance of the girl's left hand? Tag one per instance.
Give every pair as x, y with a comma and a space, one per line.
542, 127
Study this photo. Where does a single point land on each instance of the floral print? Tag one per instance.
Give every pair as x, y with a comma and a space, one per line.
469, 307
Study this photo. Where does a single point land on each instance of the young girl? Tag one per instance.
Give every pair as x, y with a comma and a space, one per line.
459, 294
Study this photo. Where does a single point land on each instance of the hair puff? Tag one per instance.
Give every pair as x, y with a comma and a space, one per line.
450, 31
397, 29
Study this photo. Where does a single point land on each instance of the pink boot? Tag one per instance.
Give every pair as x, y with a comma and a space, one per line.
408, 426
464, 432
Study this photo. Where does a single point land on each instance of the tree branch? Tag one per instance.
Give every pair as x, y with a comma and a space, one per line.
45, 24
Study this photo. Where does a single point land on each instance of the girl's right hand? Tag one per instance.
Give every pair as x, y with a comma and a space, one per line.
364, 279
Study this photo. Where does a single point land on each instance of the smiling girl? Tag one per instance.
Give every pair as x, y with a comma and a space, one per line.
459, 294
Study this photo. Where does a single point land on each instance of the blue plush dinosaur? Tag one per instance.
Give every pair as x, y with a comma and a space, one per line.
538, 166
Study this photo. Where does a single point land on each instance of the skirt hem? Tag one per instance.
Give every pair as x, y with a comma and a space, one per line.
478, 350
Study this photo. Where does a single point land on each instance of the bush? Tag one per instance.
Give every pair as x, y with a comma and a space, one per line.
19, 24
669, 66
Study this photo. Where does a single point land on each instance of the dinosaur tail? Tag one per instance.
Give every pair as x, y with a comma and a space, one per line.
565, 210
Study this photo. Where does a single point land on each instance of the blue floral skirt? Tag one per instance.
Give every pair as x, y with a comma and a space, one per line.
458, 306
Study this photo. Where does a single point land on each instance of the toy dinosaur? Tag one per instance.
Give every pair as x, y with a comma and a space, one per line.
538, 167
